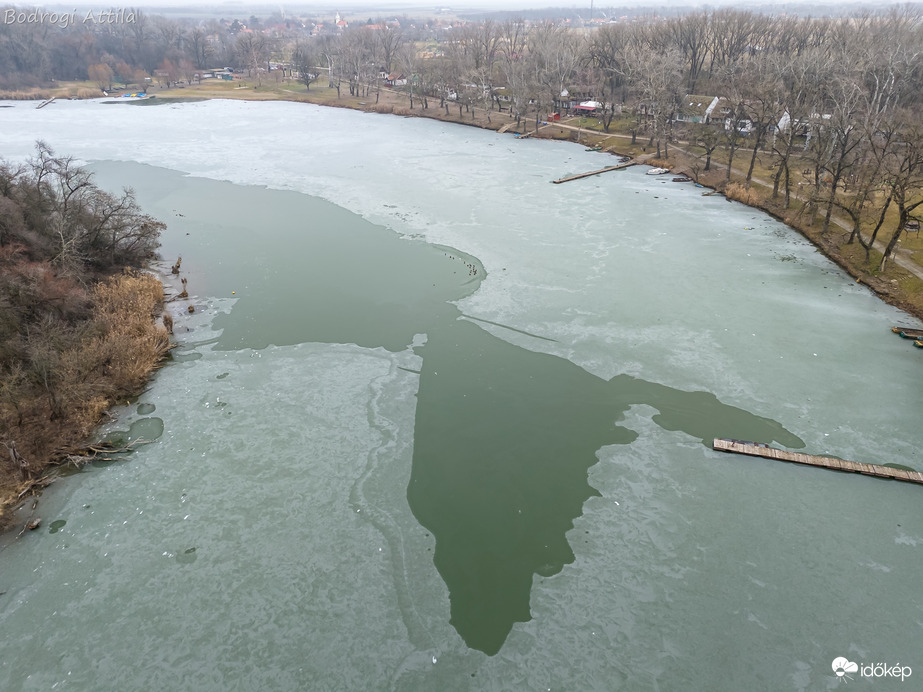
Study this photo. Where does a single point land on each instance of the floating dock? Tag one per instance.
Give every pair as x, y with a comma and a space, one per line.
616, 167
761, 450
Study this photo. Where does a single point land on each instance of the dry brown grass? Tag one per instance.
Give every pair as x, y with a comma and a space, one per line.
31, 95
126, 346
661, 163
740, 193
117, 349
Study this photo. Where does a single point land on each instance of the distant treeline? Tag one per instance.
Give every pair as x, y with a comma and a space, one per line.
599, 12
833, 105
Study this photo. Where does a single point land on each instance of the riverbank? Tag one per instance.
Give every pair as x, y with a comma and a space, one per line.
314, 465
896, 285
105, 359
77, 315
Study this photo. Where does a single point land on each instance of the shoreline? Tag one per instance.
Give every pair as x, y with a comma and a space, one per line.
46, 471
147, 344
395, 103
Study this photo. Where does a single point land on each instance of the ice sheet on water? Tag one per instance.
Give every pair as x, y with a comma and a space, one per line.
688, 291
636, 259
288, 462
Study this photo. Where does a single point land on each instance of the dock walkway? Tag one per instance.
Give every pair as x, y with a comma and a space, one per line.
759, 450
616, 167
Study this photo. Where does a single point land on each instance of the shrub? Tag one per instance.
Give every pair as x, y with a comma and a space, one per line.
739, 193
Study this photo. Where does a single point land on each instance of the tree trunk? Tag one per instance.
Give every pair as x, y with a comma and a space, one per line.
732, 148
776, 180
833, 186
894, 238
881, 220
788, 185
756, 148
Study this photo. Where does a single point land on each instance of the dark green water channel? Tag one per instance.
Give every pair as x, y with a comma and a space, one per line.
503, 436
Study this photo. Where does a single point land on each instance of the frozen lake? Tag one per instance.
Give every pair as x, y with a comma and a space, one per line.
438, 424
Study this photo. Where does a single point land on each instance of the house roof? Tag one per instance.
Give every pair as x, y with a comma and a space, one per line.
696, 104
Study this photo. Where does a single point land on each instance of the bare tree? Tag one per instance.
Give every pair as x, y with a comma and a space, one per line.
101, 74
198, 47
81, 224
304, 61
387, 44
555, 54
660, 91
252, 50
762, 104
329, 48
409, 60
798, 102
707, 137
905, 181
608, 54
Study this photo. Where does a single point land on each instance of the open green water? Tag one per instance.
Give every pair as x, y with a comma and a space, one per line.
478, 462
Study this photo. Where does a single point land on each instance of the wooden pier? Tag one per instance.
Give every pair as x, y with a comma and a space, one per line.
760, 450
616, 167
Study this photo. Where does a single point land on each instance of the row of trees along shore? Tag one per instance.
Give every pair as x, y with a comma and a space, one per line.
847, 91
77, 329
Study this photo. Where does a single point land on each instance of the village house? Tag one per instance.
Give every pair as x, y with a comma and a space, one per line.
696, 109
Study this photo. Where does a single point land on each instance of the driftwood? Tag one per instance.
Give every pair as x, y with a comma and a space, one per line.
78, 457
96, 452
33, 521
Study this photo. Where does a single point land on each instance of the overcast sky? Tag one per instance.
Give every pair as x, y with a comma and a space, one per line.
346, 7
364, 8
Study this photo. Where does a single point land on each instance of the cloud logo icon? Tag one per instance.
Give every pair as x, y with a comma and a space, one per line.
841, 666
